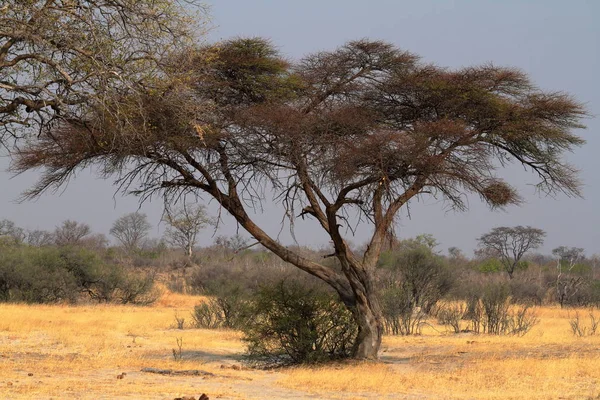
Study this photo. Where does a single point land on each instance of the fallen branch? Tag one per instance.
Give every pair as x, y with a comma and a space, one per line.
195, 372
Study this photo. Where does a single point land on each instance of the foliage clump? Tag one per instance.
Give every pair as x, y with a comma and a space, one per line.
52, 274
492, 312
293, 324
412, 285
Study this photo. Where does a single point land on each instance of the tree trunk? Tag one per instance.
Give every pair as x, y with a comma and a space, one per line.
370, 328
367, 314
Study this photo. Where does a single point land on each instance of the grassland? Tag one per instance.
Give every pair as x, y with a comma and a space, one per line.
77, 352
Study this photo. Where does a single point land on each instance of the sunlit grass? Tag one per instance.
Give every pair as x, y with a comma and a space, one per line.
574, 377
78, 351
547, 363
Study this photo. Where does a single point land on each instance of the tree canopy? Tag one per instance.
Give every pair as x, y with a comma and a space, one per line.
61, 59
365, 127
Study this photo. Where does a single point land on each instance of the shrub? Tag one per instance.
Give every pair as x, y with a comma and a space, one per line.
526, 290
208, 315
48, 275
450, 316
292, 324
423, 276
225, 311
492, 313
490, 265
412, 285
137, 288
580, 329
400, 312
35, 276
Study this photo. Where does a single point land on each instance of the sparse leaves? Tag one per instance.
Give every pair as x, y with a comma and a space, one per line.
71, 233
184, 225
130, 230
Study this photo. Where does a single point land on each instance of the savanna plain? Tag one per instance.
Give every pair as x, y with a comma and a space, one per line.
99, 352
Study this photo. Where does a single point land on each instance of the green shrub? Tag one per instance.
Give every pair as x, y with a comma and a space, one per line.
225, 311
51, 274
490, 265
36, 276
291, 323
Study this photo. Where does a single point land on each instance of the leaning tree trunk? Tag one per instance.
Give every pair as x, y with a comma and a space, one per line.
355, 287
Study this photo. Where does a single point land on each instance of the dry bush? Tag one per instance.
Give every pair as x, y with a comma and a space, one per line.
401, 315
450, 316
579, 328
492, 313
226, 311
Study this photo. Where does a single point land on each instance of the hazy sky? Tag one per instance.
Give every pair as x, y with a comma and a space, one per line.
555, 42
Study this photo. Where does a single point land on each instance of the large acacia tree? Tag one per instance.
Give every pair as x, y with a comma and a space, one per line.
365, 128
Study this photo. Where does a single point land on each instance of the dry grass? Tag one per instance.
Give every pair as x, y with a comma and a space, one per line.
547, 363
77, 352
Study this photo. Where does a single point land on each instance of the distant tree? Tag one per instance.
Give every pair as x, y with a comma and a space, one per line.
10, 233
97, 241
234, 243
39, 238
366, 128
568, 256
426, 240
511, 244
184, 225
131, 230
455, 253
567, 285
456, 257
71, 233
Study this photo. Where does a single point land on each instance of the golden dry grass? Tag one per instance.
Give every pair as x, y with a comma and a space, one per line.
77, 352
547, 363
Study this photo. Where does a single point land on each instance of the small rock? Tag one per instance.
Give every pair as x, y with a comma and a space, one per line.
236, 367
30, 374
203, 397
9, 383
120, 376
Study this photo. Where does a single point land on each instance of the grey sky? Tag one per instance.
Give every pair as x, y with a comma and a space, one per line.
555, 42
